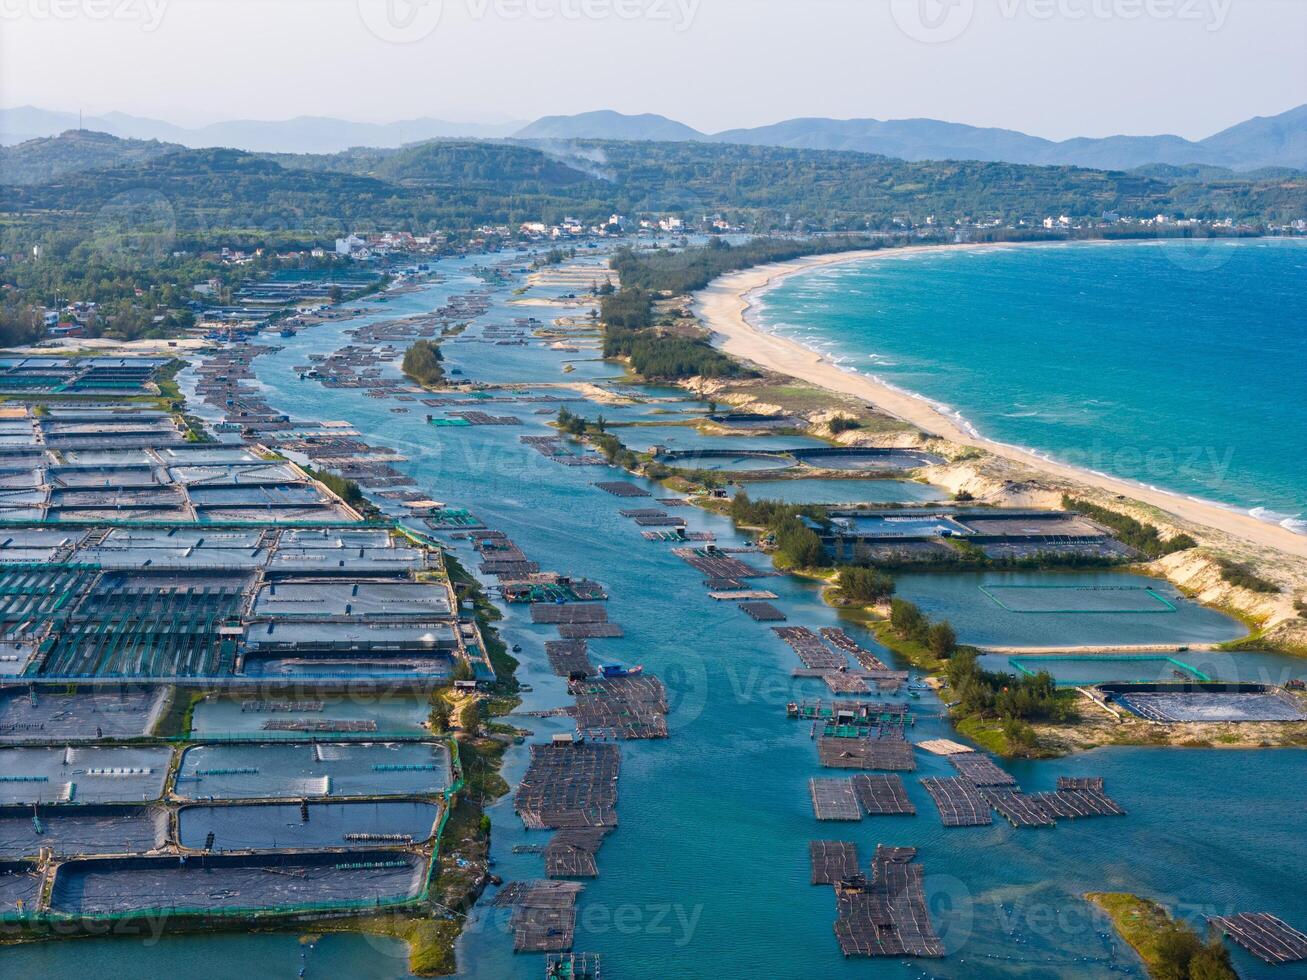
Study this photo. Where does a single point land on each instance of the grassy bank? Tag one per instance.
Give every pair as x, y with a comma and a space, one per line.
1170, 950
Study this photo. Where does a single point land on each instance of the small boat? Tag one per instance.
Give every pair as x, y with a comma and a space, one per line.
517, 648
614, 671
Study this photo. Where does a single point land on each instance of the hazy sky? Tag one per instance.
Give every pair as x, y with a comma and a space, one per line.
1056, 68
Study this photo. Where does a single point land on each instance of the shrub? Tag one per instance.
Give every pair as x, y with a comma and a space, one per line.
422, 363
941, 639
865, 585
1144, 538
798, 546
844, 424
1245, 578
908, 620
469, 717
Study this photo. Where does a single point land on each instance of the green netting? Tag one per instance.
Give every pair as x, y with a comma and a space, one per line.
1078, 599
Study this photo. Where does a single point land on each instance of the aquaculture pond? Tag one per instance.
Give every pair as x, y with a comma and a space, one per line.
708, 874
1065, 610
245, 716
820, 491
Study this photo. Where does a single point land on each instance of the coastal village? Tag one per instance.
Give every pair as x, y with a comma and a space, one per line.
275, 623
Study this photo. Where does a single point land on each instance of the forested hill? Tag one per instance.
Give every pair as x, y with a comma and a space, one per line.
39, 161
457, 185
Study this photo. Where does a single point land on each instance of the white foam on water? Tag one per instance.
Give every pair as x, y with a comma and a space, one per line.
824, 345
1290, 522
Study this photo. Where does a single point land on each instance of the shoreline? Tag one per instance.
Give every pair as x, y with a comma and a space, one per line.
723, 307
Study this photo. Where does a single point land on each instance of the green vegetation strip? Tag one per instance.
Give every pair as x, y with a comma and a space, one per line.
1170, 950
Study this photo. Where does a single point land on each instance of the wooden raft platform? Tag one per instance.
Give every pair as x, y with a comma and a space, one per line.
512, 570
959, 802
865, 753
571, 854
569, 657
882, 796
573, 966
717, 565
1076, 803
590, 631
544, 914
834, 799
1019, 809
980, 770
654, 518
807, 644
888, 915
569, 786
840, 682
555, 614
944, 746
743, 595
622, 707
621, 488
763, 612
1270, 939
842, 641
832, 861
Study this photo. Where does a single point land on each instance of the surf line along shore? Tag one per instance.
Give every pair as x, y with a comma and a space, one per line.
723, 308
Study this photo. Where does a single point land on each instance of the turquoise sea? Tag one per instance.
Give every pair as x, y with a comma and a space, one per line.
1180, 365
708, 875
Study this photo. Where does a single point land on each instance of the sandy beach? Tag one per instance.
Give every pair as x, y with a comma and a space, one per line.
723, 307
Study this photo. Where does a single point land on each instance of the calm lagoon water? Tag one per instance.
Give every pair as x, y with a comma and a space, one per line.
1243, 667
708, 874
1180, 365
981, 620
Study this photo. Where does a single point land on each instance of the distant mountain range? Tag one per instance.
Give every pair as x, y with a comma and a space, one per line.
608, 125
1259, 143
1262, 142
304, 134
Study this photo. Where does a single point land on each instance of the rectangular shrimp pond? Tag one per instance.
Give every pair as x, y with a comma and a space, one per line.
1077, 671
1065, 610
38, 715
67, 831
228, 882
281, 826
294, 717
904, 527
82, 775
824, 491
294, 771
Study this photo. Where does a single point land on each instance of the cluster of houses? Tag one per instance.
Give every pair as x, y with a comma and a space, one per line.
617, 225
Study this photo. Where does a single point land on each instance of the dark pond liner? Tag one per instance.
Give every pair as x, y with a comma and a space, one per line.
221, 883
73, 830
282, 826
